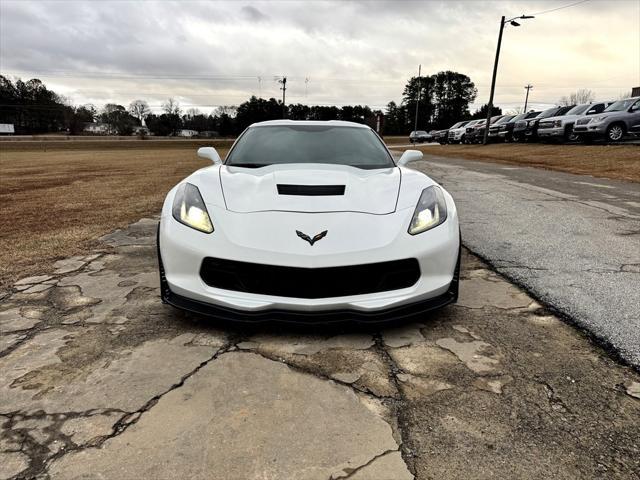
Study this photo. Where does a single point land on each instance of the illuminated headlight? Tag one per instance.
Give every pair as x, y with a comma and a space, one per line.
430, 212
189, 208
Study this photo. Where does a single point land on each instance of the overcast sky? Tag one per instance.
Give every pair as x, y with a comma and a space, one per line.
333, 52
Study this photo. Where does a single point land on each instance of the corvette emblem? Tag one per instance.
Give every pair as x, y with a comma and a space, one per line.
313, 240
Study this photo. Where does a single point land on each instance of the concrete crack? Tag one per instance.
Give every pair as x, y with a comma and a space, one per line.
315, 373
399, 407
353, 471
131, 418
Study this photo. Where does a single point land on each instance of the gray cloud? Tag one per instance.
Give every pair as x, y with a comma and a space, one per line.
212, 53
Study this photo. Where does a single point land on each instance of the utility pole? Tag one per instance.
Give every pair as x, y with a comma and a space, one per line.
415, 126
526, 100
283, 81
493, 84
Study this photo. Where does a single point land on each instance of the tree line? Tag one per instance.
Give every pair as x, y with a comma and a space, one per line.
441, 99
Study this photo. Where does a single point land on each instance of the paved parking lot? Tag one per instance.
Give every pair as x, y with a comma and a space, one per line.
98, 379
572, 240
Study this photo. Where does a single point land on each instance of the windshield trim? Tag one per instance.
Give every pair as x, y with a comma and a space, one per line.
384, 146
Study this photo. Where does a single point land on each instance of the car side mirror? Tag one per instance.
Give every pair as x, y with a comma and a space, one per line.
211, 154
409, 156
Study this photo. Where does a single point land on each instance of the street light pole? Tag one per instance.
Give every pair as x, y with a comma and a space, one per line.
493, 83
415, 127
283, 82
503, 22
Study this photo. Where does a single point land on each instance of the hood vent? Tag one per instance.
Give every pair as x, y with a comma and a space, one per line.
310, 190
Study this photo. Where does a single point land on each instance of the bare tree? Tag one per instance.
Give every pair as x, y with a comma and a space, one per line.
192, 112
139, 109
584, 95
171, 107
229, 110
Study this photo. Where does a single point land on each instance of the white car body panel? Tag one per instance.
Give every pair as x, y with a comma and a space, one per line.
253, 223
252, 190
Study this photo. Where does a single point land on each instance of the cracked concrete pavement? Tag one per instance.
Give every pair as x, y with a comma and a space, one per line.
100, 380
573, 241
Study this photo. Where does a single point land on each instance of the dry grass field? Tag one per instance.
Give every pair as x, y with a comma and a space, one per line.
56, 198
620, 162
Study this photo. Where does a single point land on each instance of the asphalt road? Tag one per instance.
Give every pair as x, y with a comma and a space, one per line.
99, 379
573, 241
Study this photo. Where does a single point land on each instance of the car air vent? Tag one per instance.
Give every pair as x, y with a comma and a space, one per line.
311, 190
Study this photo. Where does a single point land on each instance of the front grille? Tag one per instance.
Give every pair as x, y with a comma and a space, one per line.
546, 125
309, 282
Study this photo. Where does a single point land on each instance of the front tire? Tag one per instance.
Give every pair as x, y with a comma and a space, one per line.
615, 132
569, 136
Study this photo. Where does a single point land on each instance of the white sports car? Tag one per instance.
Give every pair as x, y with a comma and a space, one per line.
309, 221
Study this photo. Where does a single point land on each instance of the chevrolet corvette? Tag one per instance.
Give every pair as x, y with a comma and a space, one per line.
309, 221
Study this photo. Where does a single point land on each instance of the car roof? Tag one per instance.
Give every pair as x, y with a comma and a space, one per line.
311, 123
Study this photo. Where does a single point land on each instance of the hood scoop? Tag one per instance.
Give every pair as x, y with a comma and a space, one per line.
310, 190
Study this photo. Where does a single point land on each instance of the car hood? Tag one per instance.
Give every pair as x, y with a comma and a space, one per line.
609, 114
564, 118
248, 190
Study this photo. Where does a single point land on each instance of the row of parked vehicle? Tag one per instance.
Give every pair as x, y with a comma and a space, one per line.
608, 121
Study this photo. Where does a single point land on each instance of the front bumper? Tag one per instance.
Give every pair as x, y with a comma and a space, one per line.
590, 129
392, 314
182, 251
551, 132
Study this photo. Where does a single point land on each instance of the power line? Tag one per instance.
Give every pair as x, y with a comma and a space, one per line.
560, 8
252, 78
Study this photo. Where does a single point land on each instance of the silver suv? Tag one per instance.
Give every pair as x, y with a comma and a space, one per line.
612, 124
561, 127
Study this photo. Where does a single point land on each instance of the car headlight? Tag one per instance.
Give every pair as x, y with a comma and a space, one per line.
190, 210
597, 119
557, 123
430, 212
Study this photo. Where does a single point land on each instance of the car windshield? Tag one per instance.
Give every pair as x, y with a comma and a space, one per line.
421, 132
550, 112
455, 125
505, 119
532, 114
620, 105
578, 109
283, 144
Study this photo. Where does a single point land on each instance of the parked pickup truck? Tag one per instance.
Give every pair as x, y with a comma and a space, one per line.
477, 135
441, 136
617, 120
470, 128
527, 130
499, 126
560, 128
457, 131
